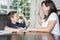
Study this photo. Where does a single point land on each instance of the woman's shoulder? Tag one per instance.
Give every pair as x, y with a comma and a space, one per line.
53, 16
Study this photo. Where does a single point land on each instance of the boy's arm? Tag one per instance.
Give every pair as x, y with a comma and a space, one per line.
13, 29
24, 18
9, 28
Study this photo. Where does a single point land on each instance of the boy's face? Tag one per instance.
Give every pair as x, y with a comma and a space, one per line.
15, 18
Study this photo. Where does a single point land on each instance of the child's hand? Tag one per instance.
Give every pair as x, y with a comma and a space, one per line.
22, 15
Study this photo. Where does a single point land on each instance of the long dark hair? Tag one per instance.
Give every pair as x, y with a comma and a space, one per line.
52, 7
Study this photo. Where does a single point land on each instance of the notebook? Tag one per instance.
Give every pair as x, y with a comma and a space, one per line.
2, 32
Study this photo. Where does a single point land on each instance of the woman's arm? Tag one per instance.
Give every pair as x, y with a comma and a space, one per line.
39, 17
47, 29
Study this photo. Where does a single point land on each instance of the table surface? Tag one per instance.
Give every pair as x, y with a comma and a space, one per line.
38, 36
34, 36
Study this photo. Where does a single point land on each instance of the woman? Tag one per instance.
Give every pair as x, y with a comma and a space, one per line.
13, 24
50, 23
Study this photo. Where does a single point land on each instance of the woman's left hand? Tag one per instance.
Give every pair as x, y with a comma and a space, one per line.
21, 29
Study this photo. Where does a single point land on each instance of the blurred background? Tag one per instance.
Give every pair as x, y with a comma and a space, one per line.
15, 5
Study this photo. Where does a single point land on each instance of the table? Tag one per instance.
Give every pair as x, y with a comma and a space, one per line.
38, 36
4, 37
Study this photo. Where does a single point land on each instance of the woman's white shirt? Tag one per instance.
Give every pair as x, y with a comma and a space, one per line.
53, 16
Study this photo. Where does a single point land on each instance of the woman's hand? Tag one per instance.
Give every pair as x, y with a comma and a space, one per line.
30, 29
39, 17
21, 29
39, 11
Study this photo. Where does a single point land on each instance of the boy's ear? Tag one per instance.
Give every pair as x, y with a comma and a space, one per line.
11, 18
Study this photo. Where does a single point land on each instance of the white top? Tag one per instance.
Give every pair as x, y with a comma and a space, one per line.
54, 17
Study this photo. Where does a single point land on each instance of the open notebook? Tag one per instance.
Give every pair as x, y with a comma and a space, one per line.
2, 32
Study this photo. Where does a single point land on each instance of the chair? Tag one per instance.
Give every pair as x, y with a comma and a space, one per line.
59, 19
3, 21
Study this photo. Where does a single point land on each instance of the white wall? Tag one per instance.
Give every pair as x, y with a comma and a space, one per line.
33, 13
57, 3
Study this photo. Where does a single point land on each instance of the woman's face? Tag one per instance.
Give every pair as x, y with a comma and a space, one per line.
45, 9
15, 18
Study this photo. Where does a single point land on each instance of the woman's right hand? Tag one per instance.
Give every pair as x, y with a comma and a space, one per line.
39, 11
39, 17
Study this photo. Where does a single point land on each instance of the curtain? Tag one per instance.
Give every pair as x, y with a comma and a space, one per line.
33, 13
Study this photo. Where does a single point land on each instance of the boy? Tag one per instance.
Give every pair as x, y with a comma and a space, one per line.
13, 24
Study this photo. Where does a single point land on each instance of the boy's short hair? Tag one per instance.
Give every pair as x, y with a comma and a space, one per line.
11, 14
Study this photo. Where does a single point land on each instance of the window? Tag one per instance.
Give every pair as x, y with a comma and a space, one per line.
13, 7
3, 12
3, 6
25, 7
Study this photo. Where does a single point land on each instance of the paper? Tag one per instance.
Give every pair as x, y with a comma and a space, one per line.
2, 32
